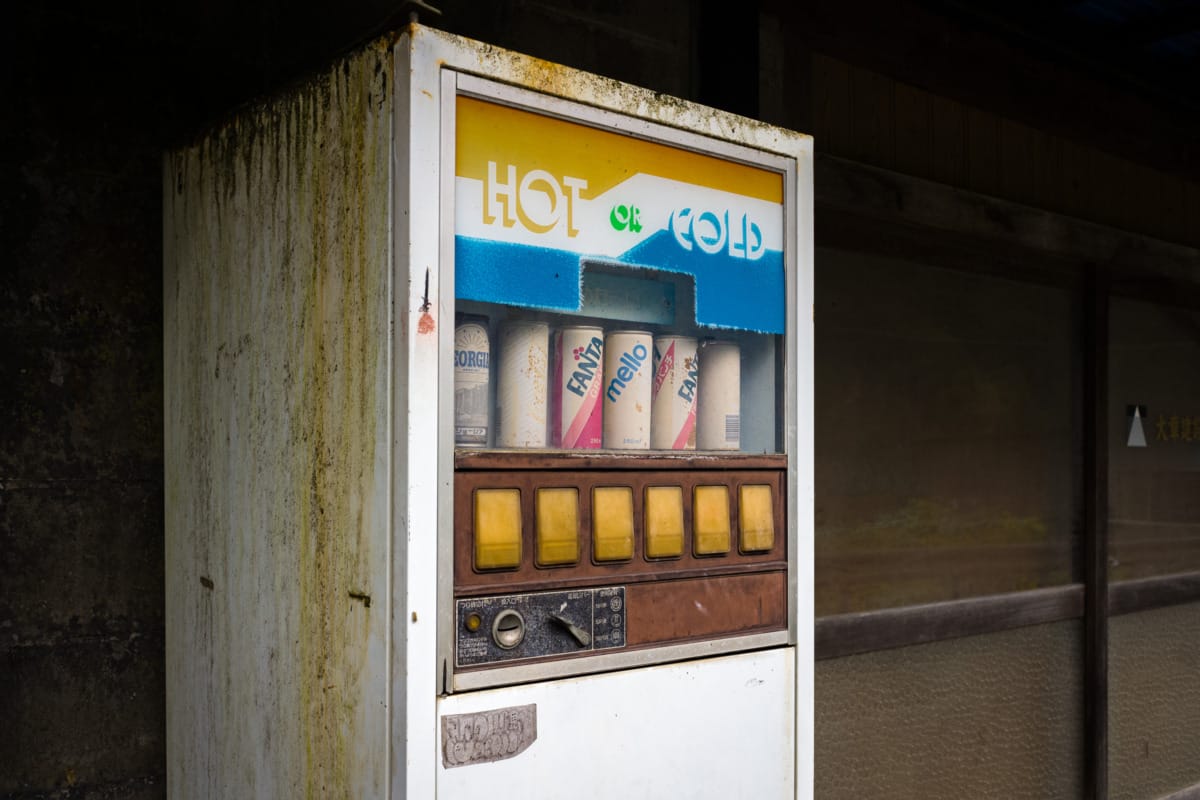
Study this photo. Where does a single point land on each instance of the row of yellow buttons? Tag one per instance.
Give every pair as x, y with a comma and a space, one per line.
498, 523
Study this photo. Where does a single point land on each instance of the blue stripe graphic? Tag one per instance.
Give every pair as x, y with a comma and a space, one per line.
730, 292
516, 274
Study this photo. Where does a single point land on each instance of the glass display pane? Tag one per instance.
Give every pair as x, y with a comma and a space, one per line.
1154, 439
947, 449
613, 292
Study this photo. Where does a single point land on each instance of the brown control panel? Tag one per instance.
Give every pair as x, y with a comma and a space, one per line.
697, 543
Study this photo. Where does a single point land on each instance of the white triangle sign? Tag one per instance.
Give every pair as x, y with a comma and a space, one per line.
1137, 434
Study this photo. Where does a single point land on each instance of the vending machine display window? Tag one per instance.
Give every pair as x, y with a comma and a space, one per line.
624, 318
614, 291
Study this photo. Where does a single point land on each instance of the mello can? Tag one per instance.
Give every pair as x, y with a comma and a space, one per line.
627, 390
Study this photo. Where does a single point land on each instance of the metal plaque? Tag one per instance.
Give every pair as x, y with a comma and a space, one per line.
487, 736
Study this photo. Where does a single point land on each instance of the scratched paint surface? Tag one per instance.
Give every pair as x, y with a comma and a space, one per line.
276, 327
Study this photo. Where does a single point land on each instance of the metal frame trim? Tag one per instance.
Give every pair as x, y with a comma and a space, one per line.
1095, 532
445, 388
457, 82
421, 55
472, 85
608, 662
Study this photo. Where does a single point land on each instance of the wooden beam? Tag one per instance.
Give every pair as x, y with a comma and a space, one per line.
962, 58
1158, 26
864, 632
877, 201
1146, 594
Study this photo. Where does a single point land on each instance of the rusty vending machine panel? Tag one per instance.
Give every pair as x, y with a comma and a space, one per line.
621, 494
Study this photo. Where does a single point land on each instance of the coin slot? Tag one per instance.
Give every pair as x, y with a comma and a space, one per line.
508, 629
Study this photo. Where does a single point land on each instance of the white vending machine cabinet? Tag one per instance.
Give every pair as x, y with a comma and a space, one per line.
489, 449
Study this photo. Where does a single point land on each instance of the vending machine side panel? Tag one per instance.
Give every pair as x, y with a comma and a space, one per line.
276, 423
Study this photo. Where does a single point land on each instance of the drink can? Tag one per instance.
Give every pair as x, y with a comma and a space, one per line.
575, 408
472, 370
627, 390
521, 384
673, 407
719, 401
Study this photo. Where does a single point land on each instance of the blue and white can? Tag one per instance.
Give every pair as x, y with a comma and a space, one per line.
472, 374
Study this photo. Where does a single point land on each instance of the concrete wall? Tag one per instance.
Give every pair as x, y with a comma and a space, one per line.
81, 580
994, 716
1154, 703
92, 98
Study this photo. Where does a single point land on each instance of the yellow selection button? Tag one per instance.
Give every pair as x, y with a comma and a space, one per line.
756, 519
664, 521
612, 523
497, 528
556, 537
710, 520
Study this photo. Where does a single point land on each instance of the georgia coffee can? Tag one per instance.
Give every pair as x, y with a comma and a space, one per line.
521, 384
719, 400
472, 370
673, 403
627, 390
575, 408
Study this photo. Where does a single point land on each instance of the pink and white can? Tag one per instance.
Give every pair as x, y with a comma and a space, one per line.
575, 407
627, 390
673, 408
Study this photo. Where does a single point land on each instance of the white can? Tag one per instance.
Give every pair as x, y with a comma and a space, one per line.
575, 407
521, 384
719, 400
673, 407
627, 390
472, 362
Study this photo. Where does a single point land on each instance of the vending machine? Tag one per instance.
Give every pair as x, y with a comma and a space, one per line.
586, 527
